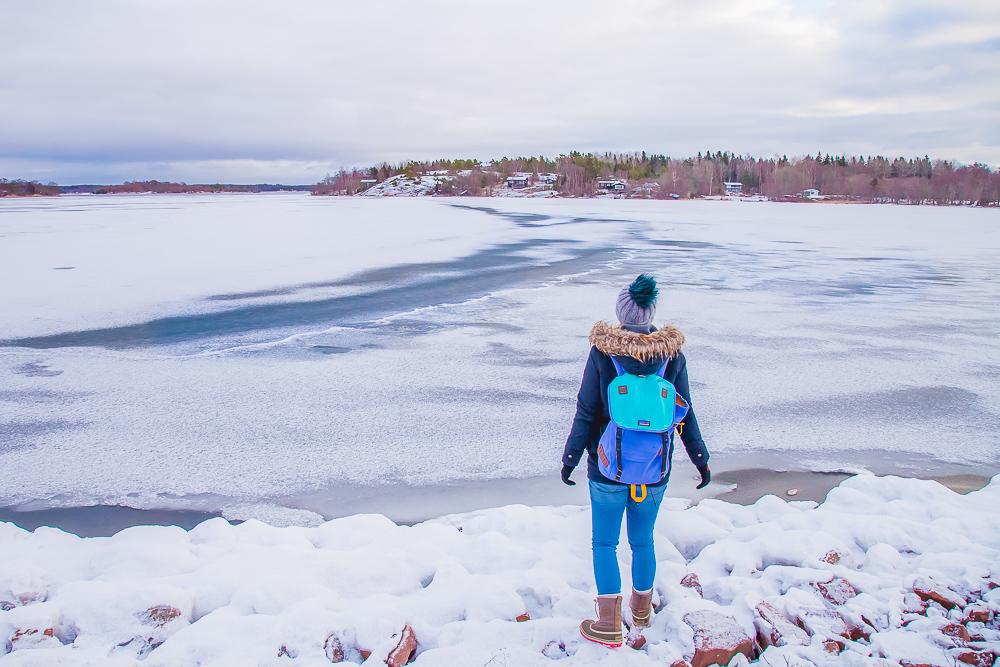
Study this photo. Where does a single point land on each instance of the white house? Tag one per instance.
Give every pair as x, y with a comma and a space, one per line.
518, 180
611, 184
733, 187
548, 179
810, 193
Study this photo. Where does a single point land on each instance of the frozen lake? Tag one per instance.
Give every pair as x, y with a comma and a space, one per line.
276, 355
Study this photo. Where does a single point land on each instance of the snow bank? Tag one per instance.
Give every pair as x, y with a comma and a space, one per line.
853, 581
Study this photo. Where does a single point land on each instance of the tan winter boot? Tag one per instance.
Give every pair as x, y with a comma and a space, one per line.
641, 605
607, 629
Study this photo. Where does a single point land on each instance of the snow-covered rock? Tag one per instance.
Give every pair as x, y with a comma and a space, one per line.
509, 586
407, 186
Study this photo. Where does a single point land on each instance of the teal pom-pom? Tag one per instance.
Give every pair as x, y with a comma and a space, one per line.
643, 290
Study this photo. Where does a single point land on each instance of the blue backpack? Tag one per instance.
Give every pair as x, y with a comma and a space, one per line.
638, 442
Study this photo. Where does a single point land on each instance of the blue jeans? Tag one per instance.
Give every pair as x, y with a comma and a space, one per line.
607, 504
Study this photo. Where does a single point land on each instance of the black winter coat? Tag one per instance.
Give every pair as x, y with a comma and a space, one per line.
640, 354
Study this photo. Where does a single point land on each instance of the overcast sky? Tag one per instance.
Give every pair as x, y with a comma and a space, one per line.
251, 91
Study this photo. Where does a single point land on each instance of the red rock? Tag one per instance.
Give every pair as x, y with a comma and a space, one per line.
28, 637
978, 613
717, 638
333, 648
159, 615
955, 630
832, 557
774, 629
912, 604
831, 646
836, 591
690, 580
977, 658
405, 649
521, 618
636, 641
928, 591
365, 653
21, 600
828, 624
680, 663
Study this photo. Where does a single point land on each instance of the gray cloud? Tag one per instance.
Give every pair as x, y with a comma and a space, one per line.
248, 90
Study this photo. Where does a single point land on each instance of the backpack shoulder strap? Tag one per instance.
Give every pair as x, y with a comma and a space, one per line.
663, 368
618, 366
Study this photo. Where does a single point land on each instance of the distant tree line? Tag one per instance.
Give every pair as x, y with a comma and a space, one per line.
19, 188
867, 178
22, 188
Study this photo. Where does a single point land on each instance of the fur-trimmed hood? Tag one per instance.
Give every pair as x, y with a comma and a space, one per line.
613, 340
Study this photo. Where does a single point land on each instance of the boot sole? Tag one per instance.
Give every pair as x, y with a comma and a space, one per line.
598, 641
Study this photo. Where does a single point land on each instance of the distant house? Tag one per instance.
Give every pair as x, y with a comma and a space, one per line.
518, 181
733, 187
548, 179
368, 182
611, 184
810, 193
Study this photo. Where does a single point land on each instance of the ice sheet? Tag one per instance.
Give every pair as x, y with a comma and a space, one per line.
818, 336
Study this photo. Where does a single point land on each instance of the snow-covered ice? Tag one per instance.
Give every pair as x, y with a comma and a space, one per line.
255, 594
248, 352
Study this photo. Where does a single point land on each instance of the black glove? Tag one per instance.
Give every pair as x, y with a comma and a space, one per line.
566, 472
706, 476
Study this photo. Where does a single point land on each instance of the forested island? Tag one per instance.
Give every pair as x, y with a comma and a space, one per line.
707, 174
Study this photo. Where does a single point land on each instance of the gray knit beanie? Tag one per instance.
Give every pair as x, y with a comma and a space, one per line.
636, 306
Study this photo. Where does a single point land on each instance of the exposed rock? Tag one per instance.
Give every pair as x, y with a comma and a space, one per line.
828, 624
690, 580
333, 648
636, 641
159, 615
521, 618
912, 604
140, 646
717, 638
977, 658
405, 650
285, 652
836, 591
929, 591
9, 601
830, 646
955, 631
978, 613
774, 629
680, 663
832, 557
31, 638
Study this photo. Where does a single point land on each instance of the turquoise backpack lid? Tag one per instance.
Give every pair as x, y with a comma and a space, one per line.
645, 402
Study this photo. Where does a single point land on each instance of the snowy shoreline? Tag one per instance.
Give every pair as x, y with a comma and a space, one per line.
886, 570
407, 505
